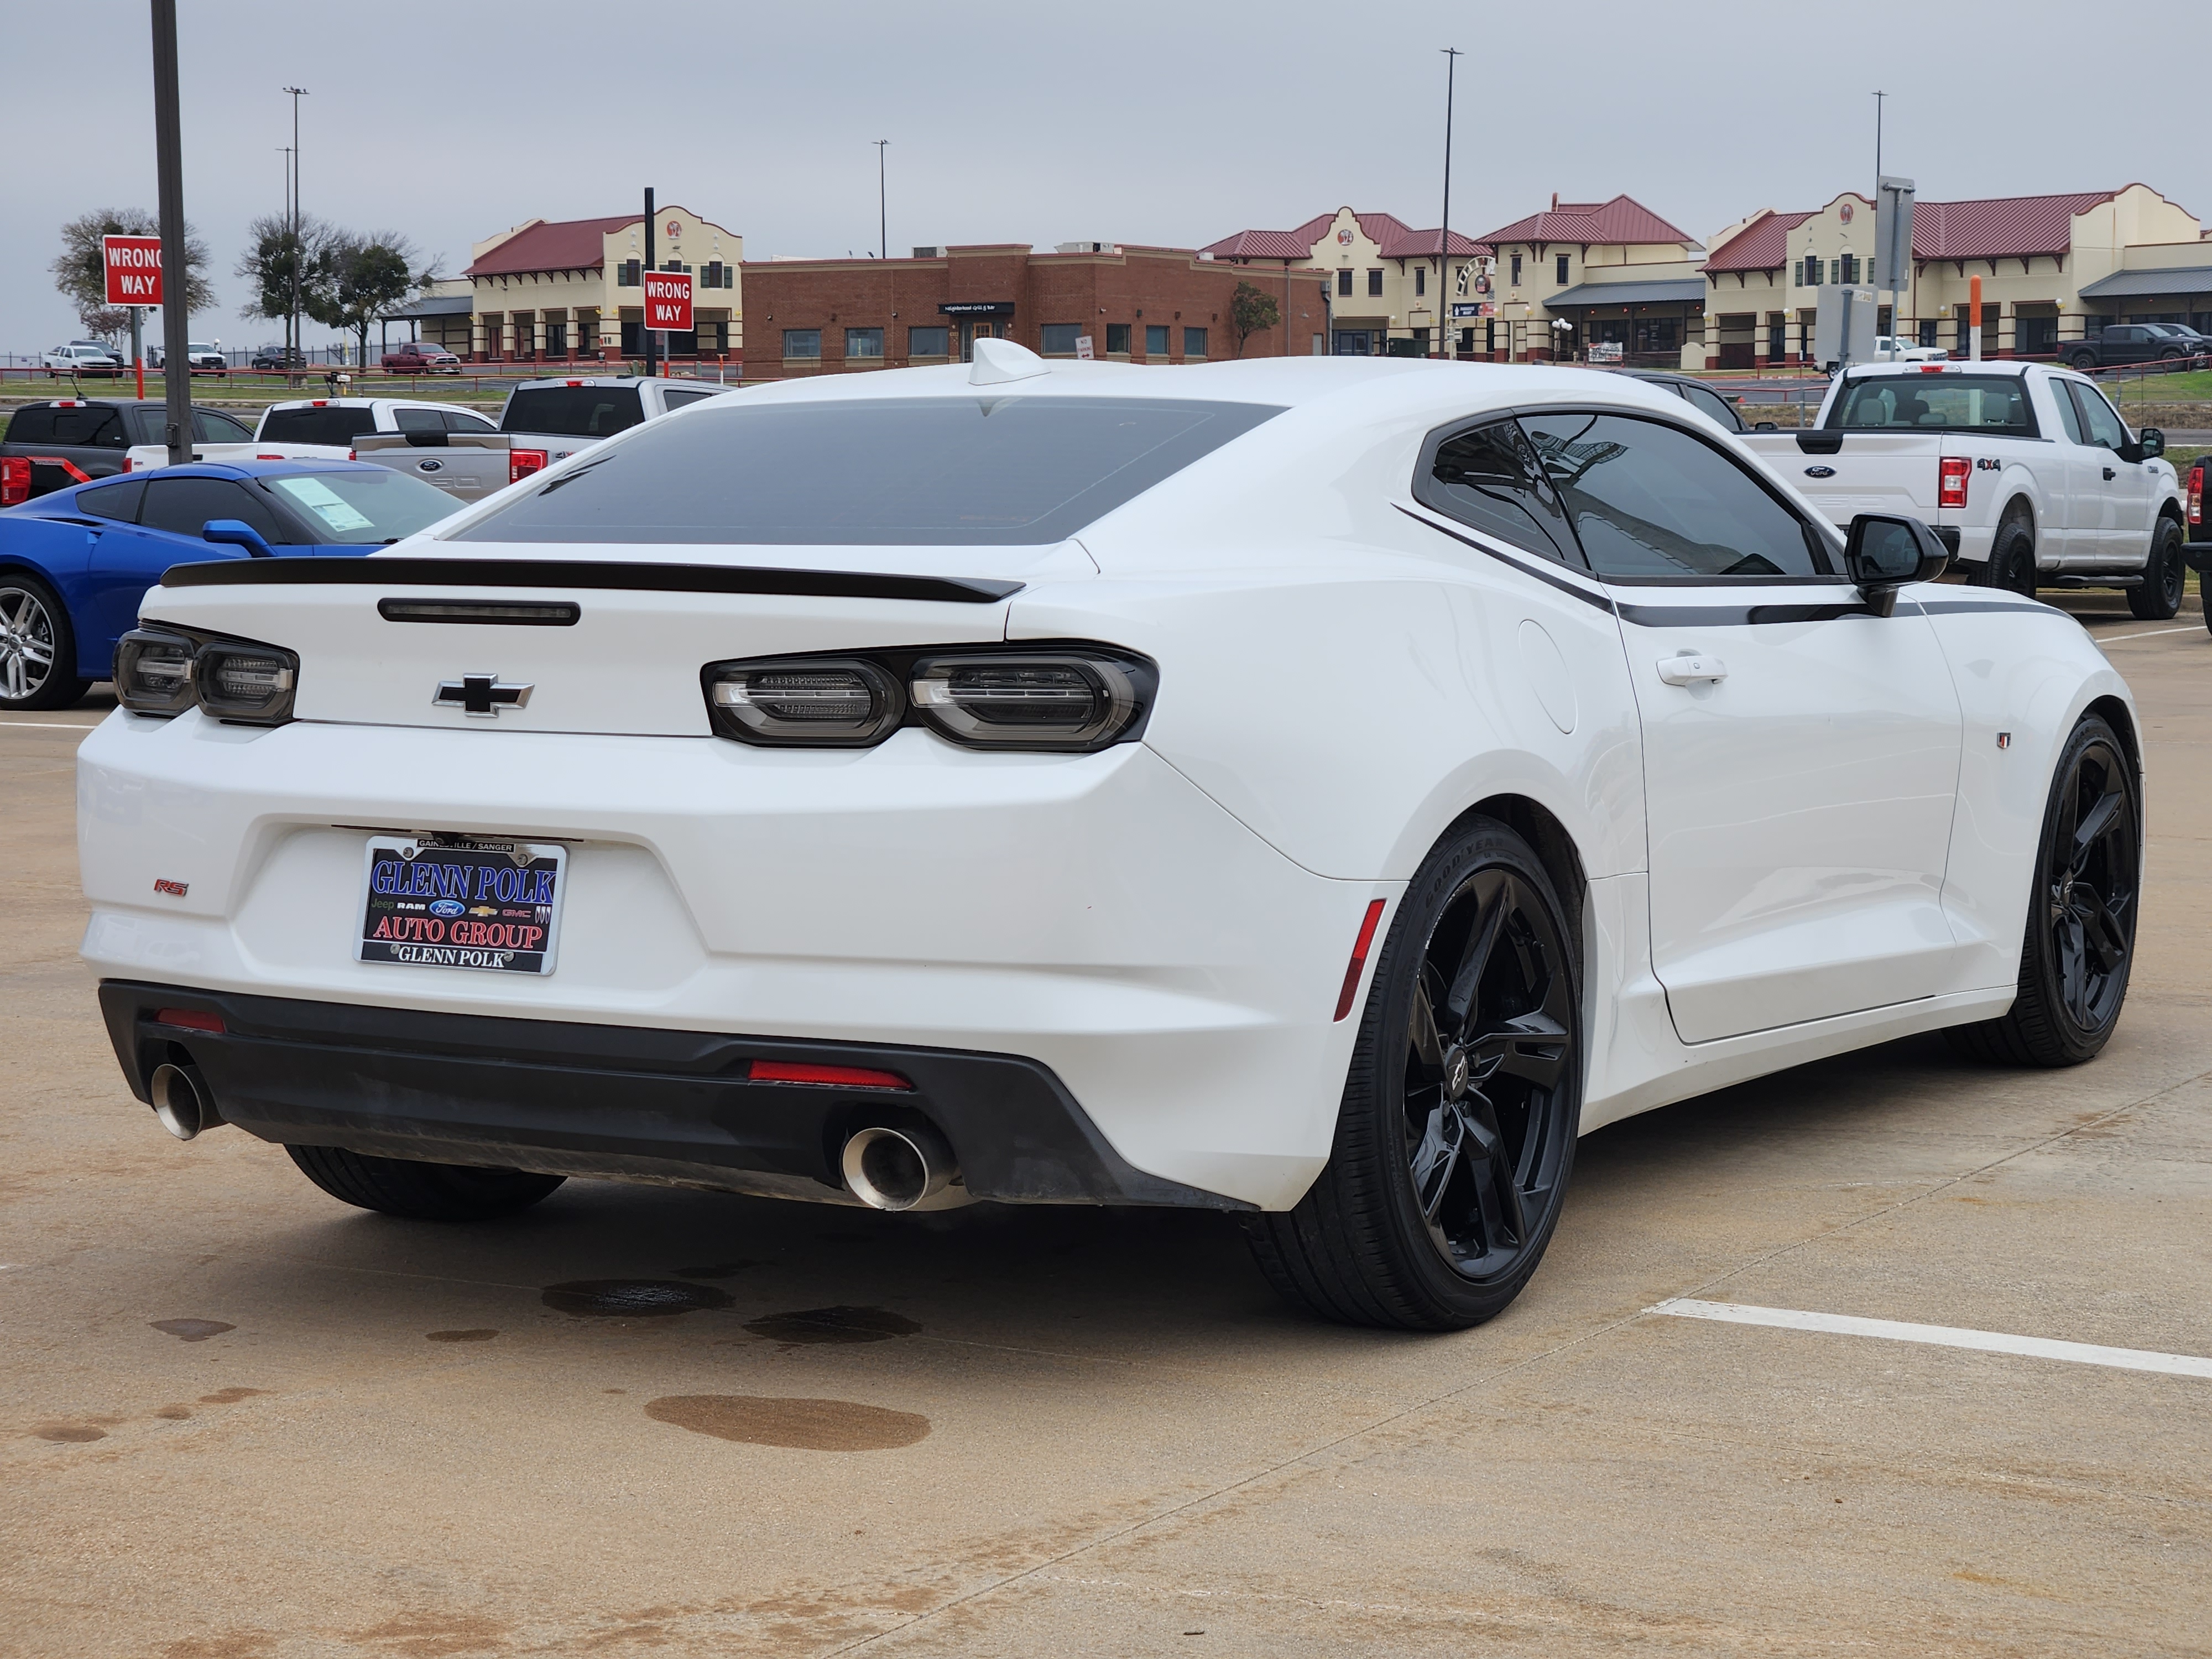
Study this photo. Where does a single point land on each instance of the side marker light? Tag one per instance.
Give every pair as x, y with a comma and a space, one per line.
842, 1077
1359, 962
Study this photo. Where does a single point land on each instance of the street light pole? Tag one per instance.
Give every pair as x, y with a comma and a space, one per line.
297, 346
176, 274
1444, 234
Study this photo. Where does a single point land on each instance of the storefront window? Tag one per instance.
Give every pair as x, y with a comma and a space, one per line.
1117, 339
802, 342
1059, 338
1193, 343
859, 343
929, 342
1156, 339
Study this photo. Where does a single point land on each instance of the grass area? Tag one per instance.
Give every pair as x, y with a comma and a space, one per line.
2125, 389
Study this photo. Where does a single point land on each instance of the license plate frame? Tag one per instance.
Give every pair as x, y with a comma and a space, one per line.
430, 900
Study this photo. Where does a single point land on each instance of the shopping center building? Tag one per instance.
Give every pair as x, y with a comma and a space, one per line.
1384, 287
571, 290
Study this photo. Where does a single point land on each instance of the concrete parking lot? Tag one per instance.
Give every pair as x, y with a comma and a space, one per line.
241, 1421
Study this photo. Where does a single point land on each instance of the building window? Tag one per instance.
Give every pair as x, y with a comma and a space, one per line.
1515, 280
1850, 271
1117, 339
1374, 284
929, 342
1193, 343
712, 276
556, 337
676, 266
1344, 284
1928, 330
859, 342
802, 342
1156, 339
1059, 339
626, 273
1421, 280
1563, 271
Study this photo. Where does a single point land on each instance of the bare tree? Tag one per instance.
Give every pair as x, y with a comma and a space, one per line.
81, 269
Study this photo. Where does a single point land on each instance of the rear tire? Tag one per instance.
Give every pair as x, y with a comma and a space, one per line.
2083, 361
1457, 1133
2165, 578
2079, 946
38, 647
420, 1192
2011, 564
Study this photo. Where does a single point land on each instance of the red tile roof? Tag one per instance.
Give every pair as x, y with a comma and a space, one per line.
1999, 228
564, 245
1391, 235
1412, 243
1762, 245
1621, 220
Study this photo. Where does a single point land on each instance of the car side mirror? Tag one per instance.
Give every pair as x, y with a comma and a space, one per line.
1882, 553
236, 532
2151, 442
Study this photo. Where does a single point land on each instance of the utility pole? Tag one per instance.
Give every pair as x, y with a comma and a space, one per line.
651, 338
1444, 234
882, 213
1878, 97
169, 170
296, 344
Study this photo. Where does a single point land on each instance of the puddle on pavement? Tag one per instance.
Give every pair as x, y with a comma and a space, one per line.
800, 1424
229, 1396
69, 1432
191, 1330
832, 1325
631, 1299
721, 1270
458, 1336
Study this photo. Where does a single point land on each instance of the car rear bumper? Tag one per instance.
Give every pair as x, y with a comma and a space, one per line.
625, 1103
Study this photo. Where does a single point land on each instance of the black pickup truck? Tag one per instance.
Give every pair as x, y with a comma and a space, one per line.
66, 440
2130, 342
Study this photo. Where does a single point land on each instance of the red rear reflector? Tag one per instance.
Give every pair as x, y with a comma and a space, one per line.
1358, 964
14, 480
842, 1076
190, 1018
521, 463
1956, 470
279, 457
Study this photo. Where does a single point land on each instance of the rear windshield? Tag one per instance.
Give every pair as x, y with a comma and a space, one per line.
363, 509
316, 425
574, 411
1005, 471
1935, 403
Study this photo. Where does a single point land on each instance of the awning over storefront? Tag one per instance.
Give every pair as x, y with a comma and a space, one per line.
441, 304
2127, 284
1670, 291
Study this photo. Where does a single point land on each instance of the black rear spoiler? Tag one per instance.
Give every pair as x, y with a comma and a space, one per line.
603, 574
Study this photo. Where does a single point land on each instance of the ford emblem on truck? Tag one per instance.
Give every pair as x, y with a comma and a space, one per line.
430, 466
1820, 472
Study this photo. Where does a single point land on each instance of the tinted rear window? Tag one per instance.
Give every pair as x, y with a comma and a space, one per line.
316, 425
574, 411
1005, 470
1935, 403
96, 424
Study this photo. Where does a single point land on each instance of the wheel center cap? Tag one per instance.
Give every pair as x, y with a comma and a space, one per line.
1456, 1074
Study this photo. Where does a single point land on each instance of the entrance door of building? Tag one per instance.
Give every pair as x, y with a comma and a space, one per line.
977, 328
1358, 342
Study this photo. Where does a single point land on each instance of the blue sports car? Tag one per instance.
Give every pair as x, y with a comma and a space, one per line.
73, 564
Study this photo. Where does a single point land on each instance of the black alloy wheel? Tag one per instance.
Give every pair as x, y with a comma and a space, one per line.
2080, 933
1457, 1130
36, 647
2165, 578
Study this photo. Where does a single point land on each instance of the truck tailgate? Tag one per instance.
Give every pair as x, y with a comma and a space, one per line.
466, 466
1845, 473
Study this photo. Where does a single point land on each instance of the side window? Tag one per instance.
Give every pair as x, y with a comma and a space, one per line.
1649, 500
1713, 403
1488, 477
182, 505
418, 420
2069, 416
31, 425
119, 501
675, 400
213, 426
2103, 426
456, 422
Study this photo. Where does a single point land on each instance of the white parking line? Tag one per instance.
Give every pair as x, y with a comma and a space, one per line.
46, 725
1942, 1336
2114, 639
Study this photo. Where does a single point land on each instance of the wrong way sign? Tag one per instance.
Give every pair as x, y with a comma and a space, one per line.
134, 270
668, 300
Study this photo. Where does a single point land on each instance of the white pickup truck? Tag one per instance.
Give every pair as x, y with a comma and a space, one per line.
550, 420
2025, 470
321, 430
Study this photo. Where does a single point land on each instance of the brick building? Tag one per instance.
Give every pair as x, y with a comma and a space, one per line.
1137, 305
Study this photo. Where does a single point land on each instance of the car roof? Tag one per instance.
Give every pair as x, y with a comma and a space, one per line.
95, 402
617, 380
368, 403
1953, 366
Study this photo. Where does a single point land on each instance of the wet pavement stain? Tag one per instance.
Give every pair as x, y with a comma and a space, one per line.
631, 1299
191, 1330
69, 1432
799, 1425
839, 1324
229, 1396
458, 1336
174, 1413
721, 1270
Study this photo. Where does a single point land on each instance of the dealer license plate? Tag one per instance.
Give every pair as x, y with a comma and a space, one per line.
462, 901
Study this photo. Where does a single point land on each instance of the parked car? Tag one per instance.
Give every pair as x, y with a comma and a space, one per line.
2192, 343
1331, 844
74, 563
83, 357
205, 357
50, 446
1700, 397
420, 358
2123, 343
1888, 349
2026, 471
279, 359
552, 420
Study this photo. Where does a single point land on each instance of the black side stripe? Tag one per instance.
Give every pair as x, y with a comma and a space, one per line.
1542, 576
1959, 607
1736, 615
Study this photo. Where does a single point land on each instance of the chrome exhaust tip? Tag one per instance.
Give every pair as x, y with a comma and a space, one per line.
181, 1100
900, 1168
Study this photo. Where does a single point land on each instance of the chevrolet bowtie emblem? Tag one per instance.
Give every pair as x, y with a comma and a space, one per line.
480, 694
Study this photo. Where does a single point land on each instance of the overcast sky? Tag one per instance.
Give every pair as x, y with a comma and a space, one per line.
1142, 121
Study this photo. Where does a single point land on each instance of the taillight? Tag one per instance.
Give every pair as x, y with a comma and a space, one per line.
1052, 700
126, 463
154, 673
813, 702
521, 463
1957, 468
14, 480
2196, 494
158, 672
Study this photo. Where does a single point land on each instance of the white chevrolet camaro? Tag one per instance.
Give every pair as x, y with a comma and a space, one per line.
1317, 790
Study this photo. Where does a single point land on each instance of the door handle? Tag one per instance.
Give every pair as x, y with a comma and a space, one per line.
1692, 668
2109, 475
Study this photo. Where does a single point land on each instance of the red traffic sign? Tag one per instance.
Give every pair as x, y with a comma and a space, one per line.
134, 270
668, 300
